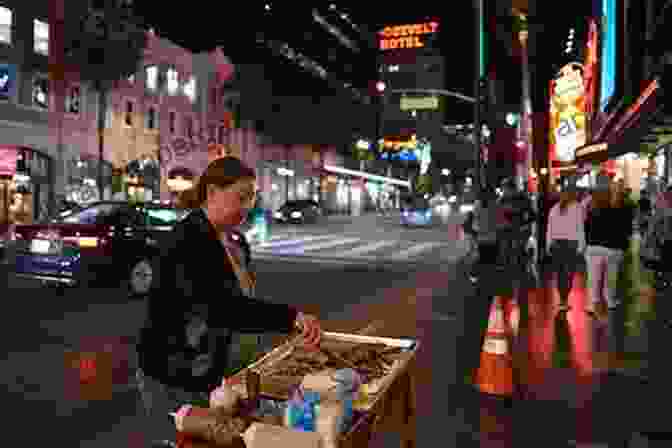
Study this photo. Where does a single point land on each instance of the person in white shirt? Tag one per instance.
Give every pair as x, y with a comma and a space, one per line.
565, 241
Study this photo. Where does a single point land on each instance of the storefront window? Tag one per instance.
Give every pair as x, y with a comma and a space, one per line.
5, 25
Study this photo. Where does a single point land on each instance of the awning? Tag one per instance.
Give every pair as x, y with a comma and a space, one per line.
626, 135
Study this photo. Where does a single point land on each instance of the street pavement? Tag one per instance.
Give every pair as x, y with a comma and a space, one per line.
48, 339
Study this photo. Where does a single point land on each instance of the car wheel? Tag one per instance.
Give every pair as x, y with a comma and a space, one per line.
140, 277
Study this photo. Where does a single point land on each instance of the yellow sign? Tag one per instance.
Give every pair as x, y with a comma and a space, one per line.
568, 117
415, 103
591, 149
405, 36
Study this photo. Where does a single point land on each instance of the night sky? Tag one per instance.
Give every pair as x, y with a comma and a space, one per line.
199, 26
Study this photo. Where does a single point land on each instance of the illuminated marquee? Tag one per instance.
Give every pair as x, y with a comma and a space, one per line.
405, 36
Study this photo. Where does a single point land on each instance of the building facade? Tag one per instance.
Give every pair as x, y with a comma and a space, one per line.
26, 134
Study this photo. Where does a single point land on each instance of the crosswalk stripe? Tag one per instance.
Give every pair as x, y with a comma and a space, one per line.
376, 245
328, 244
414, 250
271, 245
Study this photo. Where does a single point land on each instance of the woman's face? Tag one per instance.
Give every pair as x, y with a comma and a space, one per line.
229, 206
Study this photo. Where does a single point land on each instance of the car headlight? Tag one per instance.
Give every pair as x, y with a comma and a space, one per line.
277, 215
296, 214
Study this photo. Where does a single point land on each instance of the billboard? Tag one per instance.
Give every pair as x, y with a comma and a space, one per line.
609, 52
568, 113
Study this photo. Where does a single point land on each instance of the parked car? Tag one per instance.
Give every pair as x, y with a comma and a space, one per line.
298, 212
416, 212
114, 241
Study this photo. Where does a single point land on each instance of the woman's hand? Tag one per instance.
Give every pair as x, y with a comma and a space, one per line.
311, 331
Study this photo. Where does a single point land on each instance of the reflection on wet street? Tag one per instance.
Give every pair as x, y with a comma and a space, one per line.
576, 377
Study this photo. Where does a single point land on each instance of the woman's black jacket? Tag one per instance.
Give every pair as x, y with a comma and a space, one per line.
194, 303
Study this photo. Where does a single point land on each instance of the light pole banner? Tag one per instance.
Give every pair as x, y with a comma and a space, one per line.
568, 117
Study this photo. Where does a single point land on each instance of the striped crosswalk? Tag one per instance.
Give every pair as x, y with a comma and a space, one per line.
354, 249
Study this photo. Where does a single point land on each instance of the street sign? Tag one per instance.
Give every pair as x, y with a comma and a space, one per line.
419, 103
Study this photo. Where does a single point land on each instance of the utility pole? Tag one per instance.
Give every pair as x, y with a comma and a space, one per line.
478, 68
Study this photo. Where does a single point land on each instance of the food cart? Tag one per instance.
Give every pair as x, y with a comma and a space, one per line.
384, 401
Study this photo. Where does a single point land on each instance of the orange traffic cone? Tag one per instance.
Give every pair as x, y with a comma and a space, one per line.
512, 315
495, 373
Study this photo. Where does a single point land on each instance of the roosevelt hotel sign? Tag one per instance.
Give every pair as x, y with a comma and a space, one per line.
406, 36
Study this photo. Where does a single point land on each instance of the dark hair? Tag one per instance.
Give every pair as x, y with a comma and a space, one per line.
222, 173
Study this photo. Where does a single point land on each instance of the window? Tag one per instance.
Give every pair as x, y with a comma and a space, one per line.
152, 77
128, 113
151, 117
5, 25
108, 112
189, 127
40, 92
41, 37
190, 89
73, 100
172, 120
172, 81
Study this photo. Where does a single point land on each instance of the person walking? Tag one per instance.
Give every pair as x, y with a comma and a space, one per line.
486, 225
608, 231
565, 241
202, 291
519, 211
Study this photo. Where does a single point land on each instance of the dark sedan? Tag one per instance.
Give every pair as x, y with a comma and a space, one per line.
112, 241
298, 212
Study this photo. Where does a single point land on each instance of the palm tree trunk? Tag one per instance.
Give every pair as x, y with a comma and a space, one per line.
102, 114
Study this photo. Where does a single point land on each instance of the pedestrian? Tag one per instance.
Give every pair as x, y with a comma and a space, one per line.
608, 231
518, 210
565, 241
486, 225
202, 292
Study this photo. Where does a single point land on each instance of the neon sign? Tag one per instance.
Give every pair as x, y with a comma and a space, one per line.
405, 36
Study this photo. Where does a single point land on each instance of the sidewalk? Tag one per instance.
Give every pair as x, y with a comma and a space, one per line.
577, 388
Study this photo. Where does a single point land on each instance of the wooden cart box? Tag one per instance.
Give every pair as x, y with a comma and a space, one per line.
390, 393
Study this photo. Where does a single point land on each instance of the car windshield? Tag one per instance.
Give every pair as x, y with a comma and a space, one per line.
96, 214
